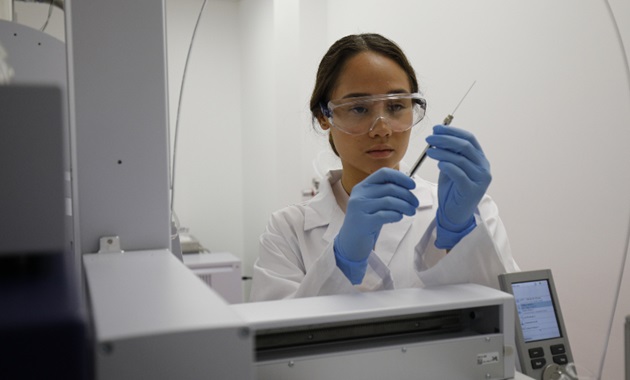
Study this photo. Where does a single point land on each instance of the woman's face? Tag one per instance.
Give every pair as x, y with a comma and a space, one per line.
369, 73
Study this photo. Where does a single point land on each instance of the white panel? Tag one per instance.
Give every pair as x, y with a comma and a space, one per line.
37, 58
163, 294
359, 359
219, 270
154, 319
448, 359
118, 99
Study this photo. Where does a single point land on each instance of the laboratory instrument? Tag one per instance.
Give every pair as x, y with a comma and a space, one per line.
541, 338
43, 323
154, 319
221, 271
462, 331
447, 121
33, 160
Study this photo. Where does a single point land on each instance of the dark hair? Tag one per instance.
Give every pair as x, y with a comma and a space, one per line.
344, 49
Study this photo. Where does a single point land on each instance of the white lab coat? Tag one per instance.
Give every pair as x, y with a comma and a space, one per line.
296, 257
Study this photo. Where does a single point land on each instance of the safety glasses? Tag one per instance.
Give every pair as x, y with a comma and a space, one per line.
357, 116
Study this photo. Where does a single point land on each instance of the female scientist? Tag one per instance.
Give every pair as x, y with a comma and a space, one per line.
371, 227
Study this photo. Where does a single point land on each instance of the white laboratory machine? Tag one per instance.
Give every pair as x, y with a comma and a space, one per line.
219, 270
451, 332
154, 319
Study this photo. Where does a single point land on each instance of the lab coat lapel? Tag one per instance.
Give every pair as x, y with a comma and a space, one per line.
323, 209
390, 237
329, 215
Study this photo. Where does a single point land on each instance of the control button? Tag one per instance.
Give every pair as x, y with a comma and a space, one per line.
538, 363
560, 359
536, 352
558, 349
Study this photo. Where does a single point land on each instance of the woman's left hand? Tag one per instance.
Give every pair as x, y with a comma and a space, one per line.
464, 179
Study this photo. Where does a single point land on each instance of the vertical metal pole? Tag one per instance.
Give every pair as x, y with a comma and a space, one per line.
627, 347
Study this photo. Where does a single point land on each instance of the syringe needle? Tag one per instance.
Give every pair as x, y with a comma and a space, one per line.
449, 118
447, 121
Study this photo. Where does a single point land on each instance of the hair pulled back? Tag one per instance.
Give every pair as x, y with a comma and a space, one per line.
340, 52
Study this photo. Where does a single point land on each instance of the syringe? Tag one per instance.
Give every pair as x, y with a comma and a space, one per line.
447, 121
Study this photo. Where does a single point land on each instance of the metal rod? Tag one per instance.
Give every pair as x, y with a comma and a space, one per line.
447, 121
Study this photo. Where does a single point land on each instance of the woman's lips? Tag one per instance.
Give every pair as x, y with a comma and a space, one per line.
380, 151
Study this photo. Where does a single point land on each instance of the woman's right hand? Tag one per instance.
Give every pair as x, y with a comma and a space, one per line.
383, 197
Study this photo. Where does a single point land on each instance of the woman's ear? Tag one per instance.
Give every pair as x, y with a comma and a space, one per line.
323, 122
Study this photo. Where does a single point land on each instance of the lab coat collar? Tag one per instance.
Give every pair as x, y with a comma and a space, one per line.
323, 210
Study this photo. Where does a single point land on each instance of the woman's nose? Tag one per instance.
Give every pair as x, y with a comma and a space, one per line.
380, 127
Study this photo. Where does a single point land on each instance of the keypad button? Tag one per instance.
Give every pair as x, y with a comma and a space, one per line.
538, 363
536, 352
560, 359
558, 349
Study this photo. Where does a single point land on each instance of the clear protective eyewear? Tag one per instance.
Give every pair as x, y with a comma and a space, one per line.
358, 116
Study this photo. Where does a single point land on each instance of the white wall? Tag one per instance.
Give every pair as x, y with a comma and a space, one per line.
208, 178
550, 108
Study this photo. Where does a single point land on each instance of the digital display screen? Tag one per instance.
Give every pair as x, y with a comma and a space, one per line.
536, 310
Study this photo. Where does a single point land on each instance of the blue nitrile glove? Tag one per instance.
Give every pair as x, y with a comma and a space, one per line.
464, 179
383, 197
